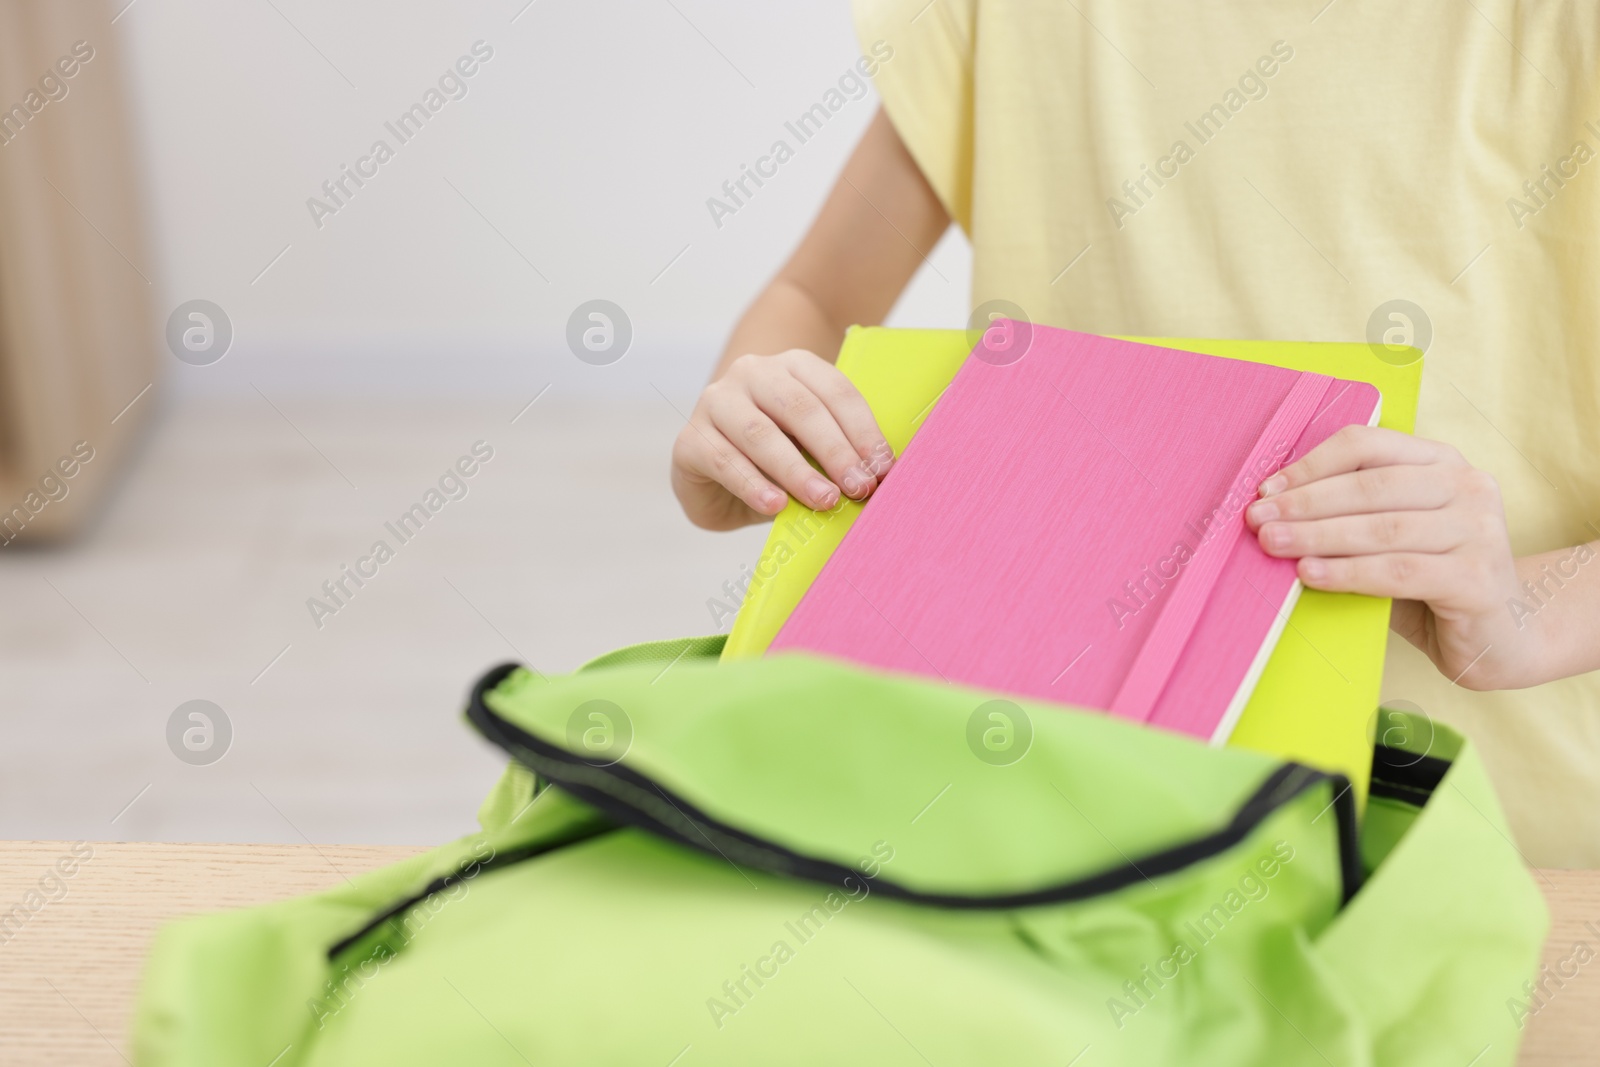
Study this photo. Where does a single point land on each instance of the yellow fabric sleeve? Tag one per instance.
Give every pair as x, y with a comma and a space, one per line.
926, 88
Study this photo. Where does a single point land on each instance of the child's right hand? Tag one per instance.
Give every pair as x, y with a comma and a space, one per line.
741, 449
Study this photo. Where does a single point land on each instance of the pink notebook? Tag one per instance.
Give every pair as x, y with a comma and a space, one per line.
1070, 526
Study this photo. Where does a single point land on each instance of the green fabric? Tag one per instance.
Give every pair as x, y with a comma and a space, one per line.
709, 939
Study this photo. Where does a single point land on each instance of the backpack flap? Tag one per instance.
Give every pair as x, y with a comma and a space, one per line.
806, 767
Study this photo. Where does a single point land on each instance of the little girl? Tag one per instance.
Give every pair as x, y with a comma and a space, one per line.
1334, 171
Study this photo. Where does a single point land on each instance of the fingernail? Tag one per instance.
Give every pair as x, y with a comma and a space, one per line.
1277, 536
856, 483
1313, 569
822, 493
1262, 511
1275, 484
772, 500
879, 461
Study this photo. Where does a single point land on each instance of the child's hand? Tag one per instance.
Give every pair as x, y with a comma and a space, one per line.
1387, 514
746, 432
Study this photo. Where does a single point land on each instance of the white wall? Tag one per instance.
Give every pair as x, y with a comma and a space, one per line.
590, 140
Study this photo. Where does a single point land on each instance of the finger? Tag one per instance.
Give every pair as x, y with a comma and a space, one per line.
1364, 535
849, 409
1401, 575
801, 414
1375, 489
1354, 448
765, 444
710, 506
706, 459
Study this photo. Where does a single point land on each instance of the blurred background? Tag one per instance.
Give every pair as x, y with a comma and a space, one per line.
266, 372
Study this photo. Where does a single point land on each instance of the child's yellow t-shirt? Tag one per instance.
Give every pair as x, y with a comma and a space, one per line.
1417, 173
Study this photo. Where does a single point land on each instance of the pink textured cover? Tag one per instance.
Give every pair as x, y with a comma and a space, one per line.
1070, 526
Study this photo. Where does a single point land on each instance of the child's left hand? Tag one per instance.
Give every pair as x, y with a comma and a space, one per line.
1383, 513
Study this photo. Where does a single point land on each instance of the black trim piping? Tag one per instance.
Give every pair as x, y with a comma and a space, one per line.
465, 873
631, 799
1351, 870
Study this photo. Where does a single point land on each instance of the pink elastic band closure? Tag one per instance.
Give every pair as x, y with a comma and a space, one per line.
1142, 686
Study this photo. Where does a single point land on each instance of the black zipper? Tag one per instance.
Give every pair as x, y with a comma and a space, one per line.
633, 799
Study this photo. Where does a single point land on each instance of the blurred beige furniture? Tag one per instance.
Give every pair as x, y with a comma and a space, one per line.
69, 973
78, 337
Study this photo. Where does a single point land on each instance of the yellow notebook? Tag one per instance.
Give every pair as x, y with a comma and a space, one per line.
1317, 697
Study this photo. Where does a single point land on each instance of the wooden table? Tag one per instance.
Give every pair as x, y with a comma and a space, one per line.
68, 971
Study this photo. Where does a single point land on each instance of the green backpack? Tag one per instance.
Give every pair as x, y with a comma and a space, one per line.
790, 860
